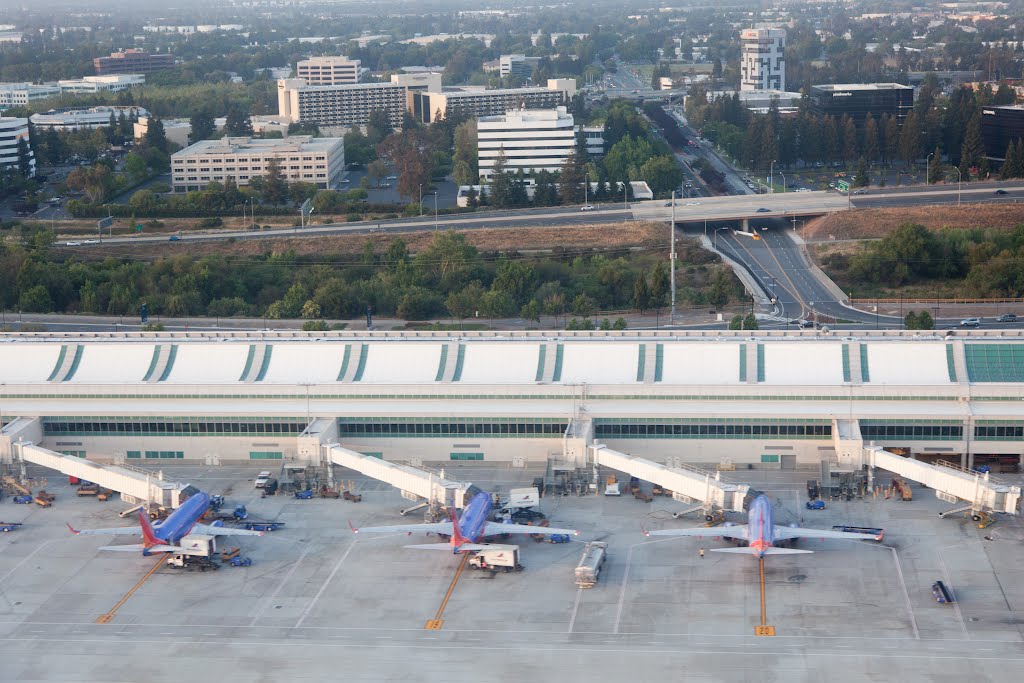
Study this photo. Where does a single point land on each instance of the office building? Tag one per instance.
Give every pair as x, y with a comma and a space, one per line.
762, 59
517, 65
860, 99
531, 140
20, 94
320, 161
132, 61
339, 105
12, 130
177, 131
999, 127
476, 102
73, 119
93, 84
328, 70
422, 81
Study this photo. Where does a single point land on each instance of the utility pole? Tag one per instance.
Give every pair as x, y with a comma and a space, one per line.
672, 259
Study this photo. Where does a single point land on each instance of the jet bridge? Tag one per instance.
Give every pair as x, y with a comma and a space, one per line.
974, 491
704, 489
414, 483
133, 484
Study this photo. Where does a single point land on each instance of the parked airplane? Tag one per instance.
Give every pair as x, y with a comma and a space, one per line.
760, 533
466, 532
164, 536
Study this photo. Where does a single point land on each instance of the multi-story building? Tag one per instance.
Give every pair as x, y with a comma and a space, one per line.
20, 94
177, 131
94, 117
328, 70
517, 65
12, 130
999, 127
860, 99
531, 140
112, 83
132, 61
339, 105
320, 161
476, 102
762, 59
423, 81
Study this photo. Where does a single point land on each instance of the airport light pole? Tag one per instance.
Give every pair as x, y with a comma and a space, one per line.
783, 181
771, 177
959, 178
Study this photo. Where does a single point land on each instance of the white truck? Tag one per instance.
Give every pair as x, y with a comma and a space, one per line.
196, 550
497, 558
589, 568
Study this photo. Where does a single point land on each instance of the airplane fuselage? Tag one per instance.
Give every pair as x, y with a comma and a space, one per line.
474, 518
760, 526
181, 521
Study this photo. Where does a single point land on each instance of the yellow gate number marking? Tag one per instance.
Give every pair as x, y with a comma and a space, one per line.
764, 630
434, 625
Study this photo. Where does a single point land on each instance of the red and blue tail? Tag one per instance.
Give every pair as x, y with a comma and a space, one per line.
149, 538
457, 538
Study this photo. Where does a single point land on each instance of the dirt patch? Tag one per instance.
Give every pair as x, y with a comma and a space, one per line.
604, 236
877, 223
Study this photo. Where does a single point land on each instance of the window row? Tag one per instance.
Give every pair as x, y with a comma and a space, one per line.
907, 431
171, 428
712, 430
450, 428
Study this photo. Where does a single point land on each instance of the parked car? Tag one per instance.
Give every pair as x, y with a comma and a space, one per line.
970, 322
1007, 318
1000, 192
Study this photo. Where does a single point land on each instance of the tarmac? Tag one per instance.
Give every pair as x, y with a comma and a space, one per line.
320, 603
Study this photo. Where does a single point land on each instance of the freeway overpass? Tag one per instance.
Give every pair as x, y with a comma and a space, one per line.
742, 207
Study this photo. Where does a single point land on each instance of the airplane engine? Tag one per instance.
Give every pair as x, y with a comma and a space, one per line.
217, 522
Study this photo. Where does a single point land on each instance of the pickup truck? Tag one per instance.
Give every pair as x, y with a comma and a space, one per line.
261, 479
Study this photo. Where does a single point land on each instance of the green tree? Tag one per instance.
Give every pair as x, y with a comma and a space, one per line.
155, 137
238, 123
135, 167
936, 171
530, 310
315, 326
376, 171
910, 321
203, 125
660, 283
662, 174
571, 179
583, 306
641, 293
972, 152
464, 168
465, 302
863, 179
24, 158
275, 187
872, 148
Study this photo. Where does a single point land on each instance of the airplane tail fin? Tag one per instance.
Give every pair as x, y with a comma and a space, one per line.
458, 540
148, 536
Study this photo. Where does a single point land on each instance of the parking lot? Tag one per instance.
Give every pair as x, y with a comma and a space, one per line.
318, 600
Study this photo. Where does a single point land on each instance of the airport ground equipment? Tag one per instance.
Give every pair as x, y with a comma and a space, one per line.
88, 490
942, 593
327, 492
589, 569
496, 558
23, 500
559, 538
254, 525
352, 497
304, 495
229, 554
9, 526
240, 561
815, 505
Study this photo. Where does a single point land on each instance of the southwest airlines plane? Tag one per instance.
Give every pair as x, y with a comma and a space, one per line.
760, 534
466, 532
164, 536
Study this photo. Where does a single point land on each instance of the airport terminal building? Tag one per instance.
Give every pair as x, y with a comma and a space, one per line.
720, 399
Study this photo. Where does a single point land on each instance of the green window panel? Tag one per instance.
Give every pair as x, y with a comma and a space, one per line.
995, 362
164, 455
134, 455
466, 456
1007, 431
373, 454
865, 374
911, 430
364, 351
743, 362
248, 362
559, 349
79, 352
950, 364
760, 362
266, 455
765, 457
846, 362
442, 363
77, 454
344, 361
152, 362
181, 426
266, 363
454, 427
170, 363
659, 358
540, 362
711, 429
459, 360
640, 362
60, 362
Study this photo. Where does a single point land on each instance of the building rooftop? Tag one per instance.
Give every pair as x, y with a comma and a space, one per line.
862, 86
296, 143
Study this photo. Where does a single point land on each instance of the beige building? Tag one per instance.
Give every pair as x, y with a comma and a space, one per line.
301, 158
328, 70
339, 105
426, 105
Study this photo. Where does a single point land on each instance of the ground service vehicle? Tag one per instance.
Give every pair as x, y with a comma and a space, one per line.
497, 558
589, 568
870, 533
941, 593
261, 480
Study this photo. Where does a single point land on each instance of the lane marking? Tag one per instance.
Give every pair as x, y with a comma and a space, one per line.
106, 618
316, 598
436, 623
575, 610
284, 580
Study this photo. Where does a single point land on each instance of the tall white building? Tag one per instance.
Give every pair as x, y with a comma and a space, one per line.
531, 139
11, 131
328, 70
111, 82
762, 59
320, 161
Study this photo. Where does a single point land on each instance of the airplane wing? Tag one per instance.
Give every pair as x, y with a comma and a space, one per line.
437, 528
140, 547
223, 531
117, 531
784, 532
738, 532
494, 528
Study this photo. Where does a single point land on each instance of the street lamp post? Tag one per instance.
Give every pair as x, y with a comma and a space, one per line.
771, 177
586, 187
959, 178
927, 168
435, 210
783, 181
625, 198
421, 199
